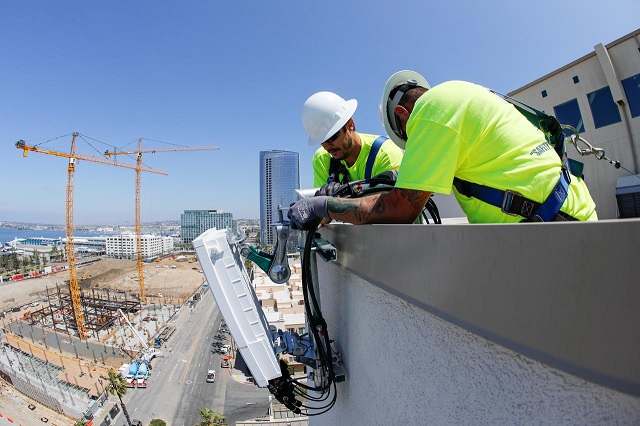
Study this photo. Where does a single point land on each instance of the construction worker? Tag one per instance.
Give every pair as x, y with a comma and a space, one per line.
461, 135
344, 154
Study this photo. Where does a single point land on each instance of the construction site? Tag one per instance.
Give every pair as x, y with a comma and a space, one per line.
42, 355
63, 331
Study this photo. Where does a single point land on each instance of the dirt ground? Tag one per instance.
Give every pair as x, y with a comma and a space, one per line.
173, 281
113, 274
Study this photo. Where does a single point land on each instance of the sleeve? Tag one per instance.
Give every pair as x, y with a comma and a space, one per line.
320, 168
430, 158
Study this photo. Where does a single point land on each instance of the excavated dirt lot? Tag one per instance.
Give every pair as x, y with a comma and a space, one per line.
172, 279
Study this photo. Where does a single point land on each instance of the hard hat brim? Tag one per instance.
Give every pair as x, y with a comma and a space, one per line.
396, 79
350, 109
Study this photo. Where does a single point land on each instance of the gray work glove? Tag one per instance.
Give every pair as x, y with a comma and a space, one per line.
329, 189
304, 213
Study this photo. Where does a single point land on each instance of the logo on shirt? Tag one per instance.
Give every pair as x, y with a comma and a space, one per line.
538, 150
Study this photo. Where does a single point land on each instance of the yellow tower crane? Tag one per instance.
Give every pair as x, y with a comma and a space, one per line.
138, 154
74, 288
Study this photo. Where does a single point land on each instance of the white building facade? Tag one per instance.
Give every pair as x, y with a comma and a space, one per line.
124, 246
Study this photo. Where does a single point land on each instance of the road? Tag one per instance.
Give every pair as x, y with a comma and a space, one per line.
177, 387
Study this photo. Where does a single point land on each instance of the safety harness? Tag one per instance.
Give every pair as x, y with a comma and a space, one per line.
337, 167
514, 203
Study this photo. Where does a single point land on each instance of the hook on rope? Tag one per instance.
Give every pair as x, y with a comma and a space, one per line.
598, 153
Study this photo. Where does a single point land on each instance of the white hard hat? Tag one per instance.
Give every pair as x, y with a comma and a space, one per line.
324, 113
394, 87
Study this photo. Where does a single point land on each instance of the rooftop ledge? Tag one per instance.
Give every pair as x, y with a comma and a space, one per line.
564, 294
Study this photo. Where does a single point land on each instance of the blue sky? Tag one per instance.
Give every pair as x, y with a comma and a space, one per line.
235, 75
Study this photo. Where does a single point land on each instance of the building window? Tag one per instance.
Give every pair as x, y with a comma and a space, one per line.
603, 109
576, 80
631, 87
569, 113
544, 93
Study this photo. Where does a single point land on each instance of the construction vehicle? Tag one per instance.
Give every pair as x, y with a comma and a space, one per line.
138, 154
147, 353
124, 370
73, 156
143, 373
130, 379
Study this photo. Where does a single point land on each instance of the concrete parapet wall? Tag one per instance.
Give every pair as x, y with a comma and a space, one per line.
484, 324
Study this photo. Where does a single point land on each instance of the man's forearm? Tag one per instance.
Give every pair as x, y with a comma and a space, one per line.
352, 210
396, 206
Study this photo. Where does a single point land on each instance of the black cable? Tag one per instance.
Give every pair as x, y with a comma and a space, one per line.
94, 148
53, 139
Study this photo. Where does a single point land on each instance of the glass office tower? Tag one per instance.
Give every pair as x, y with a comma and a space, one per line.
195, 222
279, 178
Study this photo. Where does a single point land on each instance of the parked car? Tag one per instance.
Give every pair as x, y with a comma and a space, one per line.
211, 376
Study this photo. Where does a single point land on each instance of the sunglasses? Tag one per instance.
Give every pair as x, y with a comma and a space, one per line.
335, 136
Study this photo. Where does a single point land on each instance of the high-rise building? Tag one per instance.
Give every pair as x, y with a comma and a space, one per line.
195, 222
279, 178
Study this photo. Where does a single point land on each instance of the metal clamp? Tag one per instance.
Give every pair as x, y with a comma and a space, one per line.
507, 200
324, 249
279, 270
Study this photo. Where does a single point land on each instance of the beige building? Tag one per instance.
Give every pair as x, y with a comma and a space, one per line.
599, 95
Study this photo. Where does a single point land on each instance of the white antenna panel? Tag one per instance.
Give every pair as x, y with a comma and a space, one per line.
228, 280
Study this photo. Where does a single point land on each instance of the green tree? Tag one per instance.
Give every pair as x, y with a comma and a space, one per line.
117, 386
36, 258
4, 263
157, 422
210, 418
81, 422
26, 263
15, 262
54, 252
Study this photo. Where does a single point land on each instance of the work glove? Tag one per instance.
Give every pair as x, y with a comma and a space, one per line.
329, 189
307, 212
389, 175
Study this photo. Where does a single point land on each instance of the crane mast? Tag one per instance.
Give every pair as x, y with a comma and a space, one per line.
143, 289
74, 288
138, 153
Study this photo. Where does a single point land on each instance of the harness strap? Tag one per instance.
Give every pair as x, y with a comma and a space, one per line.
514, 204
336, 168
375, 147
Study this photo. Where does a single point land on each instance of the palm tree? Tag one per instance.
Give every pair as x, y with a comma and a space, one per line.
210, 418
117, 386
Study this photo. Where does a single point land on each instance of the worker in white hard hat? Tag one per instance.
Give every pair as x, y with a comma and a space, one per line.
462, 137
344, 154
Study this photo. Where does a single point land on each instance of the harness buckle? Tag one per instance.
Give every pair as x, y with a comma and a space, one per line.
507, 200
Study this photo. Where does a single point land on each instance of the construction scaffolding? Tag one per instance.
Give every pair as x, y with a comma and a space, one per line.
100, 310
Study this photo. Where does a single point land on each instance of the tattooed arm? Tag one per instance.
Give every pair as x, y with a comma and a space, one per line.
396, 206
